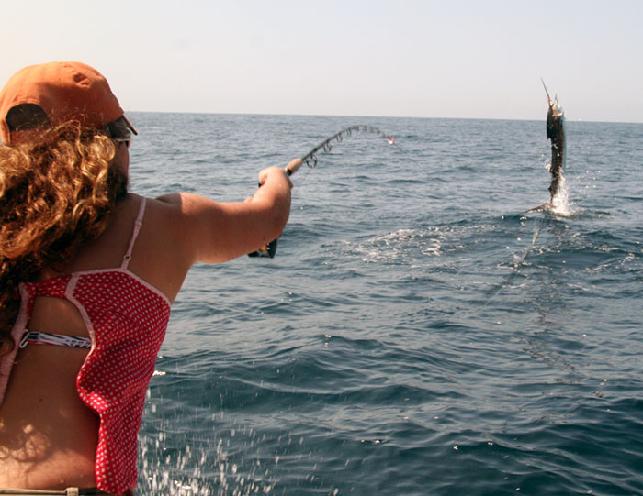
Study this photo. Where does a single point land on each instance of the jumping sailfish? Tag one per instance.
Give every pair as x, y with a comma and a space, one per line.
556, 134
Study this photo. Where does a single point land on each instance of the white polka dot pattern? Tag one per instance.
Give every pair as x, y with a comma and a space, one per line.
127, 320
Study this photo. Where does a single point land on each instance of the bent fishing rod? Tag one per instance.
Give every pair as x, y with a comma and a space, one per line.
311, 159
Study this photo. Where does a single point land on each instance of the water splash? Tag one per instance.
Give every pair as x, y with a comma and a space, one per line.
179, 463
199, 471
403, 245
560, 203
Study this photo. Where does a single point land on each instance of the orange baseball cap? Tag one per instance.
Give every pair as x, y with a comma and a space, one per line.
66, 91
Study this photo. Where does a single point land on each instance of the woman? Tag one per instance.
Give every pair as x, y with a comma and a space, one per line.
88, 272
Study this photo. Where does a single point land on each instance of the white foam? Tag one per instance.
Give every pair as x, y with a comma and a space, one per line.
399, 245
560, 202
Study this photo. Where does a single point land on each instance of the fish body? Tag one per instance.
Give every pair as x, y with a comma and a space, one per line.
556, 135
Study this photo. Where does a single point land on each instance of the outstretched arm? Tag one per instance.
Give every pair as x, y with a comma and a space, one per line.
210, 231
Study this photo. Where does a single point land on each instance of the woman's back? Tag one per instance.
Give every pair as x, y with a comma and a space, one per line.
55, 444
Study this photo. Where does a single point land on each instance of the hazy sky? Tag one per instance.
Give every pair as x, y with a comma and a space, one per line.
345, 57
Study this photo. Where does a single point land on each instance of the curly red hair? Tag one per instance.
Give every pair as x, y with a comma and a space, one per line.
56, 193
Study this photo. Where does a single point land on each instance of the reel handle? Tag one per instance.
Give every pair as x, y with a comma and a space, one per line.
270, 250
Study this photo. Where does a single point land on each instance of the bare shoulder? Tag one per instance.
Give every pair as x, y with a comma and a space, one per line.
158, 255
165, 224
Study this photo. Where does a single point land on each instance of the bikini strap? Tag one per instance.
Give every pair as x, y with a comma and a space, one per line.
37, 337
137, 228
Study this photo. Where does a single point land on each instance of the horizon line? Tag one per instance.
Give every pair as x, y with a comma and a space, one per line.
373, 116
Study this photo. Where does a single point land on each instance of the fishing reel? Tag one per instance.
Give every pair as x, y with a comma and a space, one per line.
267, 251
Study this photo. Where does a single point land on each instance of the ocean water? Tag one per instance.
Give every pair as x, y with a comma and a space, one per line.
419, 332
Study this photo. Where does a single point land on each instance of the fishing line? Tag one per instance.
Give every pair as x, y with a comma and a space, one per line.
516, 265
311, 159
533, 243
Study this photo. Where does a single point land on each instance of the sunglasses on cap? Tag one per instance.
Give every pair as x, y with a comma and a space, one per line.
120, 131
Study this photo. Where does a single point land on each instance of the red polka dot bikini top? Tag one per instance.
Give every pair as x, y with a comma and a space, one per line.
126, 318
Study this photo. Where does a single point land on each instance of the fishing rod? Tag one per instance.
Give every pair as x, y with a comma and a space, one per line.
311, 159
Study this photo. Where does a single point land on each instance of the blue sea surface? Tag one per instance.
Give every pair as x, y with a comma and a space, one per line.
419, 332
